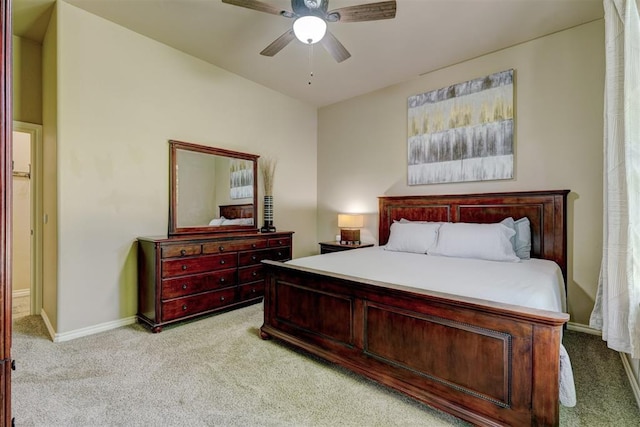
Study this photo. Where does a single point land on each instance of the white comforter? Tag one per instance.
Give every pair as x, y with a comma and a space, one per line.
533, 283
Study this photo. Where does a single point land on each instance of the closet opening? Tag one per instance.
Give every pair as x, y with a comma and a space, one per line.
26, 225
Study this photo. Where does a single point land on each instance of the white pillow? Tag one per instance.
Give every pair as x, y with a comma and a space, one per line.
523, 238
235, 221
482, 241
412, 237
217, 221
521, 241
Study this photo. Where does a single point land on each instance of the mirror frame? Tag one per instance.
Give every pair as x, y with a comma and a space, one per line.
174, 229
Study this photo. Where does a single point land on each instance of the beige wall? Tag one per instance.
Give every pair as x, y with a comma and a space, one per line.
50, 171
120, 98
559, 83
27, 80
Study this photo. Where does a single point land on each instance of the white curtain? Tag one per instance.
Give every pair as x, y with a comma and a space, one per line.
617, 308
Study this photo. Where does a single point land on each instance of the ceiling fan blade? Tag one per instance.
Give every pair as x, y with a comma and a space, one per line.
278, 44
259, 6
334, 47
365, 12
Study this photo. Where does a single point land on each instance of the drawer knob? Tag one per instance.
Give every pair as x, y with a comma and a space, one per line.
254, 274
184, 307
253, 290
280, 242
184, 286
279, 253
222, 280
221, 248
253, 245
253, 257
222, 261
183, 252
221, 298
184, 267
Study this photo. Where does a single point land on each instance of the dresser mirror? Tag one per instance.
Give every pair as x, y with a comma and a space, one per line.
211, 190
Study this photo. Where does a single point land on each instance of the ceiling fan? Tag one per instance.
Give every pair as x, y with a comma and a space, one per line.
311, 17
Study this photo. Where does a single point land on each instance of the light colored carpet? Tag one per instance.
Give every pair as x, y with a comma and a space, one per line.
20, 306
217, 371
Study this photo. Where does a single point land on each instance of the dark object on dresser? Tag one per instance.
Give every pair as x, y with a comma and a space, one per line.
181, 278
488, 363
328, 247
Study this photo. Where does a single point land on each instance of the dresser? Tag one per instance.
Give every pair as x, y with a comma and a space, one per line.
184, 277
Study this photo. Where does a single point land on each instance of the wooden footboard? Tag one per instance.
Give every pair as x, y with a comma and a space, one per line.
487, 363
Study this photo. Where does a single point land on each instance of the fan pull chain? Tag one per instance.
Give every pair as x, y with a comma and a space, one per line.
310, 62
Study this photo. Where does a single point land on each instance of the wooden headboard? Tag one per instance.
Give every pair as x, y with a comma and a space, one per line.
546, 211
236, 211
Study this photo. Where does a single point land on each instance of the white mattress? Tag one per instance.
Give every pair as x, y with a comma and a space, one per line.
534, 283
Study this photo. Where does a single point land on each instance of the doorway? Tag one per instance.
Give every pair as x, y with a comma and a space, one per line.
26, 230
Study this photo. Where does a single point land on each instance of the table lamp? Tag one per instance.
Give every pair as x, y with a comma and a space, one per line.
350, 225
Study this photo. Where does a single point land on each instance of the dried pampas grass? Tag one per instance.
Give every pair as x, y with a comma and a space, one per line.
268, 170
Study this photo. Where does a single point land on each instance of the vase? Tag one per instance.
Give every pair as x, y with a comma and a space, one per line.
268, 215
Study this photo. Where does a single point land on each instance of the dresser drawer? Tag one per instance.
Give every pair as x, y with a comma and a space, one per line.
184, 266
252, 290
173, 251
250, 274
187, 285
187, 306
280, 254
233, 245
252, 257
255, 257
280, 241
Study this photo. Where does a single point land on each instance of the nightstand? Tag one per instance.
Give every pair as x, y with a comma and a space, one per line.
326, 247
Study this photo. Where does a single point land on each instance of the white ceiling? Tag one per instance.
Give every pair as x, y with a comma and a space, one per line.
426, 35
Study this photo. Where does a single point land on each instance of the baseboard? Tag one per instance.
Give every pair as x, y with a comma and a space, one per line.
633, 380
83, 332
47, 323
90, 330
579, 327
21, 293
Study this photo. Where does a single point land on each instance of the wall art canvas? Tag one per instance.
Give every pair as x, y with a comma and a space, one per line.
241, 177
462, 132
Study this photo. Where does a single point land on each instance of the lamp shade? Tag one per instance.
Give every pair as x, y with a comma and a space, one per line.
350, 221
309, 29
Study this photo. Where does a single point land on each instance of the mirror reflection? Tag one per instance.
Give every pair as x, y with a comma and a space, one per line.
212, 189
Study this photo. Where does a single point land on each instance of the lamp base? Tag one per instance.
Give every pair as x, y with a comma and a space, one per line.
268, 226
268, 229
349, 236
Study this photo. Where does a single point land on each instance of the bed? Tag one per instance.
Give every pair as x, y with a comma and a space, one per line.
237, 211
234, 215
487, 362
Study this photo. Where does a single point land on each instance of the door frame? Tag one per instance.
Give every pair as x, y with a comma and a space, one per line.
36, 211
6, 132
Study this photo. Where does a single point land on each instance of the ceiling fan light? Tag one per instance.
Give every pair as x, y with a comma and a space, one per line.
309, 29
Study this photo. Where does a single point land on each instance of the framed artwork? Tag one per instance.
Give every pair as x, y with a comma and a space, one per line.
462, 132
241, 179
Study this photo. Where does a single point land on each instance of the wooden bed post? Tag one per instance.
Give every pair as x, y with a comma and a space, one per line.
546, 387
